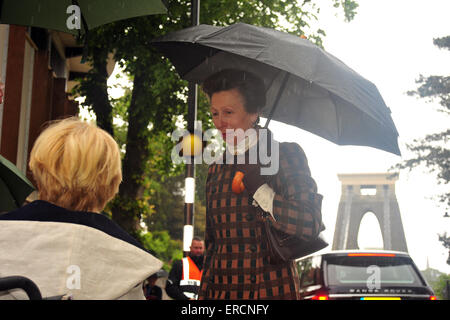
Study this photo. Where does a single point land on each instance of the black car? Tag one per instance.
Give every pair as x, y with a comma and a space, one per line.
362, 275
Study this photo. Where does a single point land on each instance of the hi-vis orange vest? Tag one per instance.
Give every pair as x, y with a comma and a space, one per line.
190, 279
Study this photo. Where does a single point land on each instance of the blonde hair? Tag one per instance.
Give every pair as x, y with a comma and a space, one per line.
76, 165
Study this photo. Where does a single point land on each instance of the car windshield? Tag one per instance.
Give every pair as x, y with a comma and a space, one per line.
371, 270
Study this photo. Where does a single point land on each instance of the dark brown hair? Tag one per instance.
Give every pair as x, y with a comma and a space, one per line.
249, 85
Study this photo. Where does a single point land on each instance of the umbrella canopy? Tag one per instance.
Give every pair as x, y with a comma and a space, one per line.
54, 14
310, 88
14, 186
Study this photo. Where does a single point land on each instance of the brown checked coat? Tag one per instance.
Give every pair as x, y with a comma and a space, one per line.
236, 258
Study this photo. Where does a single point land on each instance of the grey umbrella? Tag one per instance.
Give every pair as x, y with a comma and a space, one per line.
306, 86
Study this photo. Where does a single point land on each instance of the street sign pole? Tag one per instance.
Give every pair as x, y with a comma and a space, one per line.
188, 230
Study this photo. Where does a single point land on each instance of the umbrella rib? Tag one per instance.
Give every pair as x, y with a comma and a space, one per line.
213, 52
277, 99
86, 30
83, 20
338, 127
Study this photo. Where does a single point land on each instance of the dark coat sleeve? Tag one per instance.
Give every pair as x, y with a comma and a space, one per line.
173, 282
296, 205
209, 237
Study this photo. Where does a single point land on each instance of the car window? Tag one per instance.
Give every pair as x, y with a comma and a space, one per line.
383, 271
309, 271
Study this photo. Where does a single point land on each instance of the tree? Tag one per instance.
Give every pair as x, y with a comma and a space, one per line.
442, 287
433, 150
168, 202
160, 244
158, 95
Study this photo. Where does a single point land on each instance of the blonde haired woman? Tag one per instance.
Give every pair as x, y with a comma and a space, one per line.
60, 241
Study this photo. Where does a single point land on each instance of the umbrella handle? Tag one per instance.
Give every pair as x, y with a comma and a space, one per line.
277, 99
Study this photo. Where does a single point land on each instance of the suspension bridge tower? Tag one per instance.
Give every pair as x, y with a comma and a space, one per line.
364, 193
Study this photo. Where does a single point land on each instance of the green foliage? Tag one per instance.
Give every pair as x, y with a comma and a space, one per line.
349, 7
434, 154
162, 246
443, 43
433, 150
440, 287
446, 241
169, 214
434, 88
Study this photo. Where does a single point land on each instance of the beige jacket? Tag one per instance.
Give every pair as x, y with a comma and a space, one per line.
84, 255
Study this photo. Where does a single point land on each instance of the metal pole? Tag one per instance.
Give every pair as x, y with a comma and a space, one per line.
188, 230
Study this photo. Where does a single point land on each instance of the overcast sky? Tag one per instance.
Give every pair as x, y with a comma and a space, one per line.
390, 42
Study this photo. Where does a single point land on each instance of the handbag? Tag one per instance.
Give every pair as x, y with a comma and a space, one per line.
284, 247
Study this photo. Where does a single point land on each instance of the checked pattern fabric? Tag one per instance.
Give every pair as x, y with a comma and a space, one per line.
236, 258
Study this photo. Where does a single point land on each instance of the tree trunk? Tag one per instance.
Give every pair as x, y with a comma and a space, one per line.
99, 92
125, 211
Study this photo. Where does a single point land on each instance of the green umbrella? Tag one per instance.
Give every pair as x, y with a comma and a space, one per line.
14, 186
74, 16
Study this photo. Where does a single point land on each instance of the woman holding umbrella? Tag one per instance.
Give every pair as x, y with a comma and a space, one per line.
237, 264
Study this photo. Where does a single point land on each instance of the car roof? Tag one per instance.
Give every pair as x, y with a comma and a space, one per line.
356, 251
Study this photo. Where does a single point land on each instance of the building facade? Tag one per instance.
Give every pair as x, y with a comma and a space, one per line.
37, 67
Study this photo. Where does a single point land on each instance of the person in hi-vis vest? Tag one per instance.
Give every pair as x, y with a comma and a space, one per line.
184, 278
